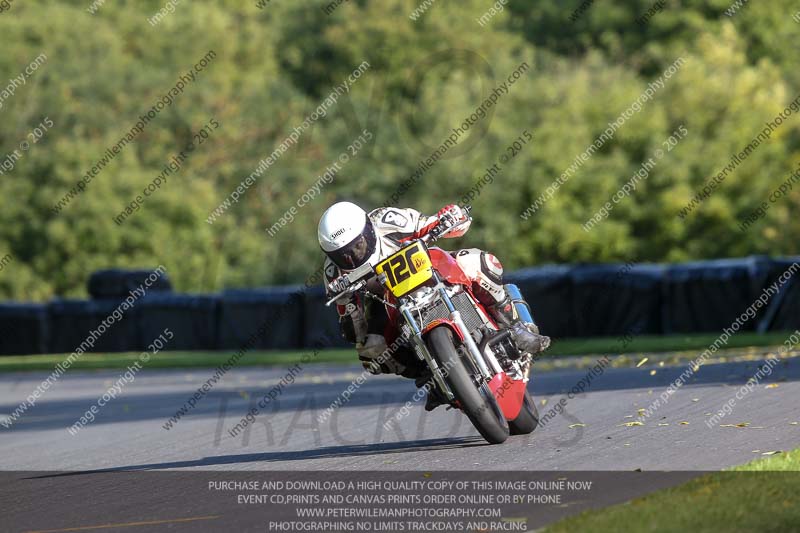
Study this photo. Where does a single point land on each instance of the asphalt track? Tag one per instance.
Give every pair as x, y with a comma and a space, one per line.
128, 434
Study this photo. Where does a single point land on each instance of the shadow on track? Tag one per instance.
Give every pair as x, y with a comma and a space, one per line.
303, 455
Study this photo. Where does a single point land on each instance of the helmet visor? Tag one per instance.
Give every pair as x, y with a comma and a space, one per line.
356, 252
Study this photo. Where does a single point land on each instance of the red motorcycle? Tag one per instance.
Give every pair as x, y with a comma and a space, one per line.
475, 365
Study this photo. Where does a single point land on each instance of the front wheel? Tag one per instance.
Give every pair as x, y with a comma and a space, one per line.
527, 419
477, 401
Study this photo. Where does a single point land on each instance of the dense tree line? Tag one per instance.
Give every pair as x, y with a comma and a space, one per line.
275, 65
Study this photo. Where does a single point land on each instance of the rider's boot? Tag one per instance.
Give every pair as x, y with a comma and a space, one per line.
524, 334
434, 398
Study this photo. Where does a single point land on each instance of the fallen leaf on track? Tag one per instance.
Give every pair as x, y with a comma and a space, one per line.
663, 424
643, 361
652, 372
577, 426
772, 386
739, 425
776, 452
631, 424
684, 423
640, 412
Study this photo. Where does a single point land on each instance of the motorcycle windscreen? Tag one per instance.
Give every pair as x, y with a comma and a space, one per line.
406, 269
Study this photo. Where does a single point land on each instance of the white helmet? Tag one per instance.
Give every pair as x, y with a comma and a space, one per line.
346, 235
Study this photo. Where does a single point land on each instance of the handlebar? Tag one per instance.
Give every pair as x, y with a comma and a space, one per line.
434, 235
359, 274
352, 288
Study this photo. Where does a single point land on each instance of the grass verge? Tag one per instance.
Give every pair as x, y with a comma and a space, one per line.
565, 347
758, 496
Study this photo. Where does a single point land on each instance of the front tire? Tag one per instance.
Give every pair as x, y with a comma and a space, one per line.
477, 402
528, 418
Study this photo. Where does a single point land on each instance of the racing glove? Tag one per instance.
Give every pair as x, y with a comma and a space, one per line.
375, 357
451, 216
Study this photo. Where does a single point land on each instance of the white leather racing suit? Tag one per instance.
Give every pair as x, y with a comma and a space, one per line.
365, 323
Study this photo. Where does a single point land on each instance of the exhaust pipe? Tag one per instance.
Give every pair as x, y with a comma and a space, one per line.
521, 307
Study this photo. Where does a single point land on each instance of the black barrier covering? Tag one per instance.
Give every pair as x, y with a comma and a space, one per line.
320, 320
278, 309
118, 283
783, 313
191, 318
566, 301
23, 328
787, 317
617, 299
548, 290
72, 321
709, 295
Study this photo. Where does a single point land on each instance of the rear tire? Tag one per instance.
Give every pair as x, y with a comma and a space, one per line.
528, 418
477, 402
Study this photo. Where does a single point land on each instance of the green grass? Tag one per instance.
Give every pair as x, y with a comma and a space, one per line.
560, 347
661, 343
172, 359
759, 496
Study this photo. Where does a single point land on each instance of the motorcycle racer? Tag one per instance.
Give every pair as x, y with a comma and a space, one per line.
351, 237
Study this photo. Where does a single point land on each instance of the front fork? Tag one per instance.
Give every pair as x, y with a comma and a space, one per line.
423, 353
472, 349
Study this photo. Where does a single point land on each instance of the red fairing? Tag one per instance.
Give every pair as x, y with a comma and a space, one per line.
447, 266
444, 321
510, 394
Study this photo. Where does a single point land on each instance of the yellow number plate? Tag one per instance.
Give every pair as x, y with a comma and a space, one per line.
406, 269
